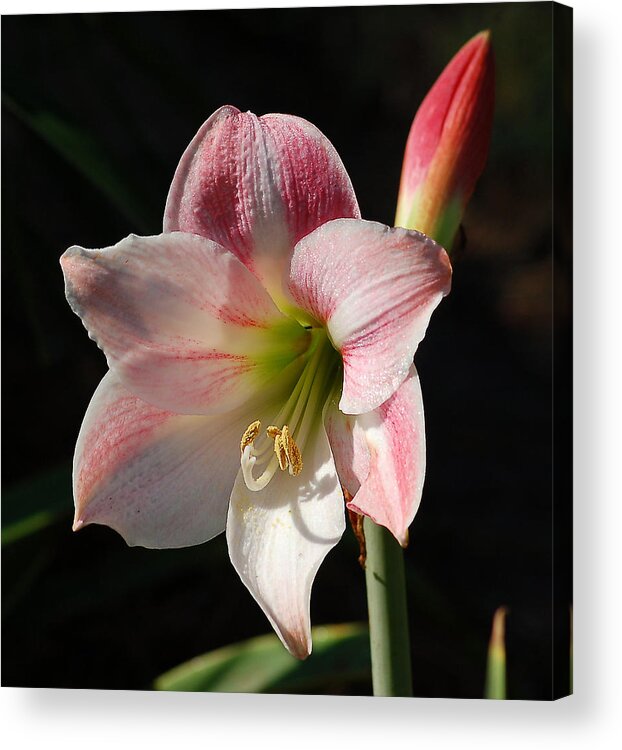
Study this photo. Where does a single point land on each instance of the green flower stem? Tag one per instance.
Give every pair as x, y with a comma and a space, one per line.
388, 613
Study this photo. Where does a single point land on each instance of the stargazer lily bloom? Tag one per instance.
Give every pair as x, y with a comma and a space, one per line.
261, 361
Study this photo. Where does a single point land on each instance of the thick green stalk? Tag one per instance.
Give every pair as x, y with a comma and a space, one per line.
388, 613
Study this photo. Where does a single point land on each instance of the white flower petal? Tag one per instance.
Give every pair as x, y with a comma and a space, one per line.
159, 479
182, 322
279, 536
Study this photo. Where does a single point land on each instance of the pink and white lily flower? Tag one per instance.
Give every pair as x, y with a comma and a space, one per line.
261, 361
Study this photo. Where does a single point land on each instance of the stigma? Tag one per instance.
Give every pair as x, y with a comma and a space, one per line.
285, 454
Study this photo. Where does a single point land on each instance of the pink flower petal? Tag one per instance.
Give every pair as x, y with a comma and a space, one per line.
374, 288
380, 457
159, 479
256, 186
278, 538
183, 323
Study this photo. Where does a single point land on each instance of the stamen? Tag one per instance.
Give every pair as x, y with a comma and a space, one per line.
281, 453
287, 455
295, 459
250, 433
292, 451
298, 416
286, 438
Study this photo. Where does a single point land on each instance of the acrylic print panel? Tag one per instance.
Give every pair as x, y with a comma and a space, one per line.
259, 296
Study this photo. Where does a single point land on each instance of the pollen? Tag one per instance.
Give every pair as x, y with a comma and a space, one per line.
286, 439
281, 453
250, 433
287, 454
295, 459
286, 450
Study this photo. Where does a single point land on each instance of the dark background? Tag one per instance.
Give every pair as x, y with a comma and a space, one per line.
97, 110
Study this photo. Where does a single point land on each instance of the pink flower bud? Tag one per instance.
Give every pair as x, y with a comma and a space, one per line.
448, 144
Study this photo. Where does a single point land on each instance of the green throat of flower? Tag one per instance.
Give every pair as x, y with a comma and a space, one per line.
282, 444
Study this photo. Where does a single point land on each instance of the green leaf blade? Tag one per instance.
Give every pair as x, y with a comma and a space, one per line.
262, 665
34, 504
496, 679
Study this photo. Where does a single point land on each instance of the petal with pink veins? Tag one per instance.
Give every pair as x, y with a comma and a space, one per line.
380, 457
279, 536
159, 479
257, 185
184, 325
374, 288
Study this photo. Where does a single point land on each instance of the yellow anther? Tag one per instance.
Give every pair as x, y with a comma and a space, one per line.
281, 453
295, 458
286, 438
250, 433
287, 452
